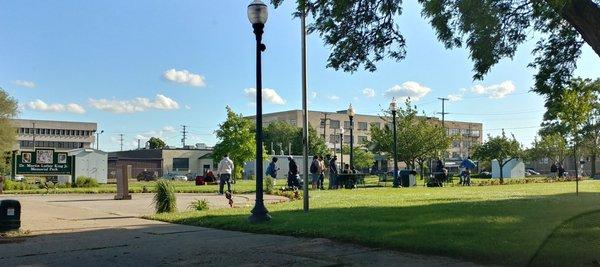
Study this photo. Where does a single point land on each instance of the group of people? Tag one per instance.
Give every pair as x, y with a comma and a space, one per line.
557, 169
319, 168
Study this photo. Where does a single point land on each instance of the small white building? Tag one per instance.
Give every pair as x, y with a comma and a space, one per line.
90, 163
515, 168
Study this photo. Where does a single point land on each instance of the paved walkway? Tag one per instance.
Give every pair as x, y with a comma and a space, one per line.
94, 230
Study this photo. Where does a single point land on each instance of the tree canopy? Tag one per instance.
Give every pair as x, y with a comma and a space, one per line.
363, 32
281, 133
362, 158
418, 138
236, 138
552, 146
500, 148
8, 110
156, 143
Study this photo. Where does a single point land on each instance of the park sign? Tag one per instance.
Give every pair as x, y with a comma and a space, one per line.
43, 162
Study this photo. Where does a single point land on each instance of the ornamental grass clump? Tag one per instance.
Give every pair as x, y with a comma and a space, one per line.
165, 200
199, 205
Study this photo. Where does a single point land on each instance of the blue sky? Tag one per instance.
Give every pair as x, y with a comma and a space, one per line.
123, 65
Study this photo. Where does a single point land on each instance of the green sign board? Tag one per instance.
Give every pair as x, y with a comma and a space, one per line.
43, 162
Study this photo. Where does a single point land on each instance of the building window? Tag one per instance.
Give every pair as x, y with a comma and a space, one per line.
334, 138
475, 133
181, 164
454, 131
362, 139
27, 130
334, 124
362, 126
347, 139
347, 125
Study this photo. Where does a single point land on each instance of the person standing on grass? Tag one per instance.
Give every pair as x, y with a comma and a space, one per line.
292, 179
553, 170
332, 172
272, 169
225, 170
321, 173
314, 172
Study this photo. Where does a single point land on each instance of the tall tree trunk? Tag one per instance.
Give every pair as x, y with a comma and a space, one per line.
501, 165
593, 158
584, 16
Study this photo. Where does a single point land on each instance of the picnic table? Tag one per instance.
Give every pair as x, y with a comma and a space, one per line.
349, 180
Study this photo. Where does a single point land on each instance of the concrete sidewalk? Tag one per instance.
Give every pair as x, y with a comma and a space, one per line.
91, 230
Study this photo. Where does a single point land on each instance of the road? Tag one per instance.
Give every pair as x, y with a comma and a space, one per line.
94, 230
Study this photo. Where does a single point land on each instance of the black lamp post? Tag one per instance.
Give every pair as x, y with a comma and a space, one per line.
393, 109
258, 14
351, 116
341, 148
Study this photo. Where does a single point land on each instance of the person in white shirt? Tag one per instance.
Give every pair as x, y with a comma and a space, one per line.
225, 170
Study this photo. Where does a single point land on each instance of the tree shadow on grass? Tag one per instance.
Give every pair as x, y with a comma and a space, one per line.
506, 231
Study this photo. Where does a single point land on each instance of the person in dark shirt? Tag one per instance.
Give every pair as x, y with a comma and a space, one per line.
292, 173
332, 172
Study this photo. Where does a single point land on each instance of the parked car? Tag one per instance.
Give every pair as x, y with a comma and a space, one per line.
180, 178
531, 172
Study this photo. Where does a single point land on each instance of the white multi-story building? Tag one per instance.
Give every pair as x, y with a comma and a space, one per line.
61, 136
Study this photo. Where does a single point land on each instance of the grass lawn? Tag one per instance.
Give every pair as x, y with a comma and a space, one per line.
240, 187
506, 224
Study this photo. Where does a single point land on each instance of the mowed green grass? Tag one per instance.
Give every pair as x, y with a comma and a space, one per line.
240, 187
490, 224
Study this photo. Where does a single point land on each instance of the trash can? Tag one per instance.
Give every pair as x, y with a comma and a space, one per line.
406, 178
10, 215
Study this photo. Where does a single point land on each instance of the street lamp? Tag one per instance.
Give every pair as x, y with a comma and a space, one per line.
258, 14
351, 116
393, 108
341, 148
98, 139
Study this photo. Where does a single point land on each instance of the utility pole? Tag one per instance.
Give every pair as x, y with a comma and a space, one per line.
139, 142
325, 127
304, 109
121, 141
443, 110
184, 132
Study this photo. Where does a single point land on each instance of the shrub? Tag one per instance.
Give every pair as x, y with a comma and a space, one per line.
164, 199
85, 182
199, 204
269, 185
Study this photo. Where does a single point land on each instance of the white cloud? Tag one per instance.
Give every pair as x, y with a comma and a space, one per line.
268, 94
368, 92
185, 77
408, 89
27, 84
169, 129
495, 91
40, 105
188, 107
333, 97
455, 98
138, 104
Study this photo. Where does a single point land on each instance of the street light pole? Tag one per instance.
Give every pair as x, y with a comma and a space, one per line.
98, 139
305, 136
341, 148
351, 116
258, 14
394, 109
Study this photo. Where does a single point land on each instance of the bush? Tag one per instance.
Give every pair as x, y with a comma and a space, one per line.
269, 185
199, 204
85, 182
13, 185
165, 200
